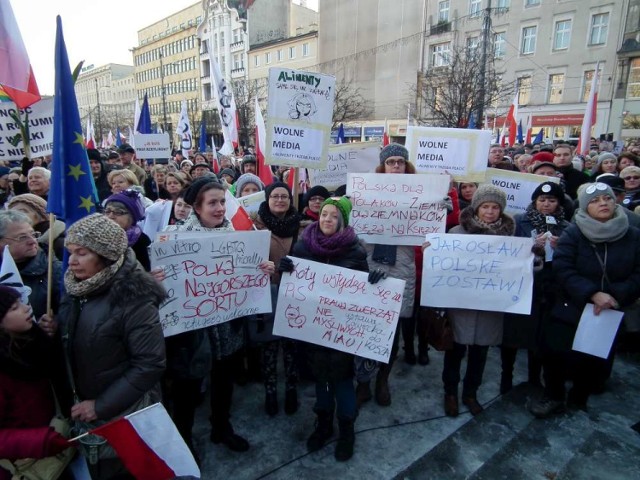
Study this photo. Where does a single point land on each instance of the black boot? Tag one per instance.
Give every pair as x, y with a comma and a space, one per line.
344, 447
291, 401
408, 325
322, 432
271, 403
383, 395
225, 435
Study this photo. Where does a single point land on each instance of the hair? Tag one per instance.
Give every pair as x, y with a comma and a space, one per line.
43, 171
341, 225
179, 177
204, 189
202, 155
631, 156
563, 145
128, 175
409, 168
158, 169
9, 217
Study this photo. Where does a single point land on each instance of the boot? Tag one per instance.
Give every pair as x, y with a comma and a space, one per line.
423, 354
344, 447
291, 401
322, 432
383, 396
363, 393
228, 437
408, 326
271, 403
506, 382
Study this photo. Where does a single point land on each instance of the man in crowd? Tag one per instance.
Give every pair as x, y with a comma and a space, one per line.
127, 156
562, 156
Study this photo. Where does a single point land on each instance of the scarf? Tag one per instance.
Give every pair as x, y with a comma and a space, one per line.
322, 245
192, 222
470, 223
601, 232
539, 220
311, 215
133, 234
286, 227
82, 288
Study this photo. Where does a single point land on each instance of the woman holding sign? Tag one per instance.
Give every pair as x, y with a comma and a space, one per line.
597, 267
332, 241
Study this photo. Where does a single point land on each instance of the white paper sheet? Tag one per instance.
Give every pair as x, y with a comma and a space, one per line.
595, 333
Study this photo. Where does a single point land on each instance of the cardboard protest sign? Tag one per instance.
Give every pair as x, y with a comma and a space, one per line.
251, 203
360, 157
211, 277
462, 153
299, 118
478, 272
338, 308
397, 209
518, 186
40, 130
152, 145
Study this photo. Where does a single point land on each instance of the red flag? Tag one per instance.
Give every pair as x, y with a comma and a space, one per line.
90, 141
385, 134
235, 140
264, 171
291, 180
215, 164
512, 120
590, 115
236, 213
16, 74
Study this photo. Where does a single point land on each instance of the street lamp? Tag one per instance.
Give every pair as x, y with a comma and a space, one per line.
164, 99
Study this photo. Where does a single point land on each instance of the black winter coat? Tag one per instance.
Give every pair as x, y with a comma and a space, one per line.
330, 365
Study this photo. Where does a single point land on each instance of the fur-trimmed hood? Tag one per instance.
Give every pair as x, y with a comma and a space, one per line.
470, 225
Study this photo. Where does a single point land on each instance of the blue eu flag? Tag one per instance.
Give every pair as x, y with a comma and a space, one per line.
72, 193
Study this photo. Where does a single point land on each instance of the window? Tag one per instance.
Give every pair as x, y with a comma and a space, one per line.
587, 80
529, 40
531, 3
267, 58
305, 49
292, 52
475, 6
524, 90
280, 55
599, 29
472, 44
562, 35
440, 55
443, 11
237, 62
499, 45
556, 85
221, 39
502, 4
633, 86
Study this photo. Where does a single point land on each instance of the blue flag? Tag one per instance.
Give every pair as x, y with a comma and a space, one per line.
538, 138
118, 137
472, 122
72, 194
144, 124
519, 133
202, 146
340, 138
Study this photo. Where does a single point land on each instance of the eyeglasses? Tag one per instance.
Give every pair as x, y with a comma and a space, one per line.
394, 162
118, 212
25, 237
316, 199
279, 197
630, 177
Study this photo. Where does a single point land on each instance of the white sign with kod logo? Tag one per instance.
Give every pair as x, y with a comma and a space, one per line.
152, 145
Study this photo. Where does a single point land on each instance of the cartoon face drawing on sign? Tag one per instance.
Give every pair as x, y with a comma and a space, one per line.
302, 107
226, 96
295, 319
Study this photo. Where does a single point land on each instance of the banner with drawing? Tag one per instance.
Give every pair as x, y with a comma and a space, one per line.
358, 157
299, 118
478, 272
338, 308
518, 186
40, 130
211, 277
397, 209
462, 153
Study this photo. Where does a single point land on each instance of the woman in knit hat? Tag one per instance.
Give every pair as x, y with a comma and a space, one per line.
114, 338
29, 365
607, 163
312, 202
544, 220
631, 177
332, 241
35, 208
248, 184
126, 209
597, 261
474, 331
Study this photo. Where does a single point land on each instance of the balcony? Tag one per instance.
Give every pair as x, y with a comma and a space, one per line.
440, 28
236, 72
235, 46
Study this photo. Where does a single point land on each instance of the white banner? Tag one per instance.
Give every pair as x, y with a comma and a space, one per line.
211, 277
152, 145
338, 308
251, 203
225, 102
463, 153
40, 130
184, 131
518, 186
299, 118
478, 272
360, 157
397, 209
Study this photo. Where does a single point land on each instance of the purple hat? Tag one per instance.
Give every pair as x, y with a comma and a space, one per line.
132, 201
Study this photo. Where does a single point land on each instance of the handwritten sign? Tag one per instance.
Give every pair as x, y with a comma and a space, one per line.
397, 209
251, 203
152, 145
460, 152
211, 277
478, 272
40, 130
360, 157
299, 117
518, 187
338, 308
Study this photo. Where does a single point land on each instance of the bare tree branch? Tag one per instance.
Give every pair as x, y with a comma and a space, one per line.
349, 104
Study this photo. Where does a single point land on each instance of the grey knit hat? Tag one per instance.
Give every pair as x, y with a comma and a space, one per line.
589, 191
248, 178
100, 235
488, 193
393, 150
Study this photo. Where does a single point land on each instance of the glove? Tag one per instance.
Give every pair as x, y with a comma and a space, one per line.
376, 275
26, 166
285, 265
55, 443
447, 203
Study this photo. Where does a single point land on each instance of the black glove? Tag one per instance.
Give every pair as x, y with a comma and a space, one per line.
285, 265
26, 166
375, 276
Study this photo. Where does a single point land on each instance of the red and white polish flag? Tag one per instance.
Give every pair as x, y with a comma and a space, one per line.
236, 213
149, 445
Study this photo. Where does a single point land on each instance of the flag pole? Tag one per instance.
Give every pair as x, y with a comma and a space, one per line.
50, 254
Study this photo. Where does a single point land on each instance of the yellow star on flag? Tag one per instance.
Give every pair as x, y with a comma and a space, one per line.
86, 202
79, 139
75, 171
